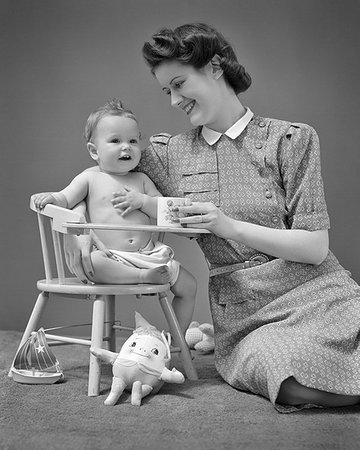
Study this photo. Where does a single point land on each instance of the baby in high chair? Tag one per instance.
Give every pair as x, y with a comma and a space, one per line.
113, 141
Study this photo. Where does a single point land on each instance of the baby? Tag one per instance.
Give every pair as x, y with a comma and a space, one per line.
113, 141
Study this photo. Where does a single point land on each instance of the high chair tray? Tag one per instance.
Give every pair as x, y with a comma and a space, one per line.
74, 228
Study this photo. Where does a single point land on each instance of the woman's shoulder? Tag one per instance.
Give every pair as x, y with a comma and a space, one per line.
283, 127
166, 138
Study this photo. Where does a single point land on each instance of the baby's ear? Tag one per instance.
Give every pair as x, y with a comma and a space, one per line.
92, 151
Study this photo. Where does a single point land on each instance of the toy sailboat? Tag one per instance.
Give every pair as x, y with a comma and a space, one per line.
35, 363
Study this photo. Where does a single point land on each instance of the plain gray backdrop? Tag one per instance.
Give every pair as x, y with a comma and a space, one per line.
59, 59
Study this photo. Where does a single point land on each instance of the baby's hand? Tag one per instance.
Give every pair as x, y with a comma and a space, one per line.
42, 199
128, 200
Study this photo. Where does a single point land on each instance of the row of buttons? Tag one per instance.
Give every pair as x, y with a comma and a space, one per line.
268, 193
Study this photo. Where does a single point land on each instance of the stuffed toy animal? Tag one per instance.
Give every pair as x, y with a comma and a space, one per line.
142, 364
200, 337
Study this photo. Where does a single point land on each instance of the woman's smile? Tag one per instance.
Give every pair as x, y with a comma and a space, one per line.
188, 107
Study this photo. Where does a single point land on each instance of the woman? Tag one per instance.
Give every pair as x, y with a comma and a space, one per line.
286, 314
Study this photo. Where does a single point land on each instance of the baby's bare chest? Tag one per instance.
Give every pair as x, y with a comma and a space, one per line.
103, 187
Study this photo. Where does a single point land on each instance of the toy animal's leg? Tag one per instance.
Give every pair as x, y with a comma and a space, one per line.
117, 388
139, 391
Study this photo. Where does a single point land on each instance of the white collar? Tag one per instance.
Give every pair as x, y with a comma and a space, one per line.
211, 136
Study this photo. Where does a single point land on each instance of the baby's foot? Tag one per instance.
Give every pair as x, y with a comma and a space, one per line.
158, 275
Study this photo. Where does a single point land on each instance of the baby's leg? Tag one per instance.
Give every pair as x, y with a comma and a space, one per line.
293, 393
184, 291
110, 271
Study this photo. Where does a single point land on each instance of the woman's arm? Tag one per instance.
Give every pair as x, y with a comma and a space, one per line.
294, 245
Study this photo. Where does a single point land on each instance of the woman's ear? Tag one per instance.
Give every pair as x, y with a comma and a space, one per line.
215, 67
92, 151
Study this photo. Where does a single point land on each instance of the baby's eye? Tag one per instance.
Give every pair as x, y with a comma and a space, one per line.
134, 141
155, 351
115, 141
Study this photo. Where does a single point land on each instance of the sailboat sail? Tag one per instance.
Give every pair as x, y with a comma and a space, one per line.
35, 363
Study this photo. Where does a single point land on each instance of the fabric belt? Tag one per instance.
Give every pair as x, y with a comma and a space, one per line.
257, 260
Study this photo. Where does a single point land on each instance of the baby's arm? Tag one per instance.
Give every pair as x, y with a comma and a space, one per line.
74, 193
131, 199
44, 198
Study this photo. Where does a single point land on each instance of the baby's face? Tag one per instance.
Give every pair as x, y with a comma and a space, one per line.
116, 144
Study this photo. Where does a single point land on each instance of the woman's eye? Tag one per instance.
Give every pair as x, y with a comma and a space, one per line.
178, 84
155, 351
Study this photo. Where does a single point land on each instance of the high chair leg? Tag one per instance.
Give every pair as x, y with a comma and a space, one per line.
34, 319
97, 334
109, 322
178, 336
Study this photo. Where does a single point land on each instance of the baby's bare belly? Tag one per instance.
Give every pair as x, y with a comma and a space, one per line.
130, 241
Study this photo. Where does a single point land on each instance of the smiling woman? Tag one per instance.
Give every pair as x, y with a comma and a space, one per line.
280, 300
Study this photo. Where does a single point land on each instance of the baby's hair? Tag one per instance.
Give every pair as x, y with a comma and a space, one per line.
113, 107
196, 44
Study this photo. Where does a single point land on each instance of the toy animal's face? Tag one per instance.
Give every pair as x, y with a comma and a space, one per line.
145, 349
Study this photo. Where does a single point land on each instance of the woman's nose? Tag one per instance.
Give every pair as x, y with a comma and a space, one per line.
175, 99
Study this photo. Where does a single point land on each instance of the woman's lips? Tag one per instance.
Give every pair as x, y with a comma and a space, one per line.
189, 107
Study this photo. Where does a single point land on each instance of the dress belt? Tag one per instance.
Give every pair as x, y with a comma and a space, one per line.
257, 260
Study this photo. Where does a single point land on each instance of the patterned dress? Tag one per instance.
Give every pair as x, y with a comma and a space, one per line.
281, 318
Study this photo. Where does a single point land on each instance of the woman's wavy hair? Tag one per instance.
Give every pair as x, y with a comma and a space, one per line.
113, 107
196, 44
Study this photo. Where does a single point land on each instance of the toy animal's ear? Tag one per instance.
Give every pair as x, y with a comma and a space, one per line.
167, 342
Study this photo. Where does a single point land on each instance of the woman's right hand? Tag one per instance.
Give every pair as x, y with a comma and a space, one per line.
77, 251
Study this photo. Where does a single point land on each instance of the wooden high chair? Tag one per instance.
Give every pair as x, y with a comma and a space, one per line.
63, 221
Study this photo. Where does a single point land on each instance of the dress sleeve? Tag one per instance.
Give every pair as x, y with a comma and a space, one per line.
301, 175
155, 163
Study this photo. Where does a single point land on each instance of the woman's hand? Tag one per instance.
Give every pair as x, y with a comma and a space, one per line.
77, 251
128, 200
206, 216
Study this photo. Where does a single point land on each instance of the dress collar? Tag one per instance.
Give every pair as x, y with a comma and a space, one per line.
211, 136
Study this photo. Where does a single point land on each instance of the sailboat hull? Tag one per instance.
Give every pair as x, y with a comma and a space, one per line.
35, 377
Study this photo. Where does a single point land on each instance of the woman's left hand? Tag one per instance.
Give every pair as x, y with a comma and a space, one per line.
206, 216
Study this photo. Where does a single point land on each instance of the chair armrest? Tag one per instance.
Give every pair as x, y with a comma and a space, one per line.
60, 216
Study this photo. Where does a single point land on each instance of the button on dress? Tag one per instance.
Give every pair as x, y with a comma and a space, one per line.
279, 319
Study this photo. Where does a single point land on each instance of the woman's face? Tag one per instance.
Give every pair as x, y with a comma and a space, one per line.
194, 91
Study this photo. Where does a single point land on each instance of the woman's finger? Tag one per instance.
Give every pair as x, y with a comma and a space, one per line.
87, 264
191, 219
